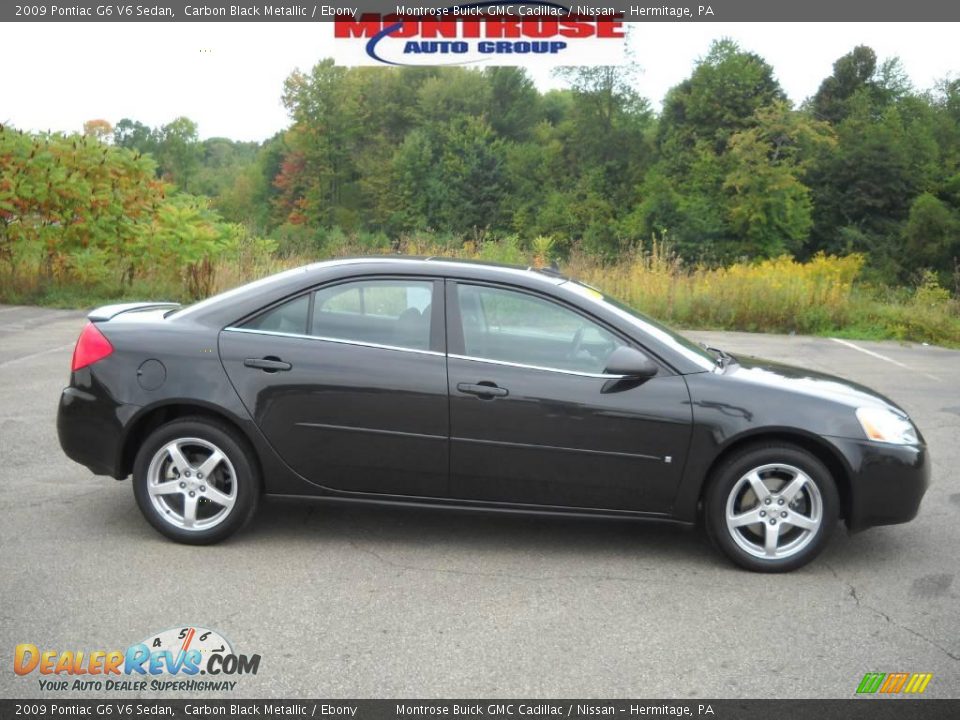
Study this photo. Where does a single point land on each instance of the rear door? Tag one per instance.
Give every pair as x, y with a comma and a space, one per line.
535, 419
348, 383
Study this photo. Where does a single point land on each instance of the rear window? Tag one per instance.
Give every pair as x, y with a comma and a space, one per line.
290, 318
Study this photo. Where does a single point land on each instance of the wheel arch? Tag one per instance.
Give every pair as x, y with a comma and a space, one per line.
814, 444
153, 417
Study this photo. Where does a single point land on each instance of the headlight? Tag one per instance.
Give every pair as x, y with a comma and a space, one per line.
886, 426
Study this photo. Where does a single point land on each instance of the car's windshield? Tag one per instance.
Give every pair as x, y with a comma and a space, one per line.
654, 329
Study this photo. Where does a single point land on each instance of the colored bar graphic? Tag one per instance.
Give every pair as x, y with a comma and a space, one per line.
893, 683
918, 682
870, 683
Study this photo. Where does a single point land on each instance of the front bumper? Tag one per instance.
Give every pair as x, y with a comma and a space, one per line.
91, 427
887, 482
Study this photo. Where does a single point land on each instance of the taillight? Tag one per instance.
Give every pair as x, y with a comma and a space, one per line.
91, 347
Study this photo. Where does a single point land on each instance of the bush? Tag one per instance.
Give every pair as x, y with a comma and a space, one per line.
77, 212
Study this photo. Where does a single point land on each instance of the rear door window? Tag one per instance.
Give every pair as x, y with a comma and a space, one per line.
379, 312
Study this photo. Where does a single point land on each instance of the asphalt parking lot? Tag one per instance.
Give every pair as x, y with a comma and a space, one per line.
353, 602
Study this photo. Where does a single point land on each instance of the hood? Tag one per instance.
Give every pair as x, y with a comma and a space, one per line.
792, 379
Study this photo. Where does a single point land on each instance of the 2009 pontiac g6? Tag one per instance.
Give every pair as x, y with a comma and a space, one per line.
461, 385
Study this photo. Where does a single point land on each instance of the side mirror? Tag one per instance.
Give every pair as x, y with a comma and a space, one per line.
630, 363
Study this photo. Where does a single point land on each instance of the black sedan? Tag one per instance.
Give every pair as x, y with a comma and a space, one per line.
461, 385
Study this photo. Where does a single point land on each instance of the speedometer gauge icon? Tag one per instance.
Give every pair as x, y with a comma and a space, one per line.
190, 637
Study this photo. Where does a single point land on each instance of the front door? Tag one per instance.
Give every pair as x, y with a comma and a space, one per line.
348, 384
534, 419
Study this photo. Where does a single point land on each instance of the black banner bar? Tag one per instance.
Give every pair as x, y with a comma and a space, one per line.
630, 11
864, 708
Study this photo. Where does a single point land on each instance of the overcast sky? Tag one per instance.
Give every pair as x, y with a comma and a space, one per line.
228, 76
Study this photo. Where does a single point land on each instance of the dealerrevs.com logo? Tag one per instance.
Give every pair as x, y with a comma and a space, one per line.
492, 33
171, 660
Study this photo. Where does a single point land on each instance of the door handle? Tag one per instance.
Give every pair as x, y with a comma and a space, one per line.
267, 364
486, 391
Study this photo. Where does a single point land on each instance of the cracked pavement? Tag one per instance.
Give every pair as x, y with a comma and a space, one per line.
376, 602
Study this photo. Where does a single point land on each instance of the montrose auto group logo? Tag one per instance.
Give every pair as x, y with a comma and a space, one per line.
493, 32
182, 659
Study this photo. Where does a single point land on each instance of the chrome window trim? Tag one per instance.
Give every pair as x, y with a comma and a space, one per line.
339, 341
601, 376
434, 353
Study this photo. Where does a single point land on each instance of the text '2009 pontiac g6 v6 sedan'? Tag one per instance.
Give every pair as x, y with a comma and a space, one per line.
461, 385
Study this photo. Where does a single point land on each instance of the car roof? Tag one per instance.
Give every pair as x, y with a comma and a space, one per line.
437, 265
290, 282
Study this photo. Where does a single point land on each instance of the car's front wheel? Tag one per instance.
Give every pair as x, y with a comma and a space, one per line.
195, 481
771, 508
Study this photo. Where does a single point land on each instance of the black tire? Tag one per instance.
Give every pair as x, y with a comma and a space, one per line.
237, 479
731, 477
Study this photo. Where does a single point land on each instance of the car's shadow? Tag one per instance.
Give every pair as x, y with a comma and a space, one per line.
398, 534
401, 529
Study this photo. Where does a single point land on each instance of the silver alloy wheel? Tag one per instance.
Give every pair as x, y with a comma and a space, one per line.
192, 484
774, 511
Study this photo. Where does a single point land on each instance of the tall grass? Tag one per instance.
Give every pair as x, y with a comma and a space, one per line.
778, 294
825, 295
821, 296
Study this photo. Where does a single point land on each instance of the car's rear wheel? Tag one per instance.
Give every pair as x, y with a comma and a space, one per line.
195, 481
771, 508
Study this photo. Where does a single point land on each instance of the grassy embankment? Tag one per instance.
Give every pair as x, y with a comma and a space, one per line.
825, 296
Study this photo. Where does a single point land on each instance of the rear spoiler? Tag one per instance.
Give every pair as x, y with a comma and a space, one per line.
108, 312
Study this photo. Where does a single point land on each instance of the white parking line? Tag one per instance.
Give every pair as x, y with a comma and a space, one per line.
869, 352
877, 355
36, 354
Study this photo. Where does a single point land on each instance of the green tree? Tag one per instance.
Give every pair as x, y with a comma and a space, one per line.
514, 108
769, 207
851, 73
863, 189
179, 152
720, 153
412, 173
689, 208
453, 94
720, 97
134, 135
315, 179
931, 235
470, 182
605, 144
858, 74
